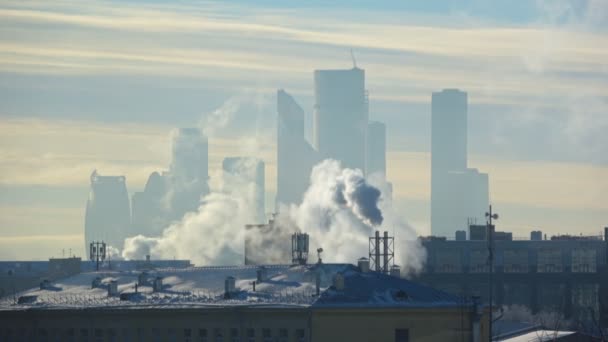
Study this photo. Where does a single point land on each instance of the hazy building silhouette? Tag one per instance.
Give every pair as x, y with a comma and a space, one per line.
107, 216
188, 171
341, 116
295, 156
458, 194
149, 211
245, 175
376, 148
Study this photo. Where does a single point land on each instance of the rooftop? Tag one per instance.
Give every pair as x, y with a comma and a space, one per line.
195, 287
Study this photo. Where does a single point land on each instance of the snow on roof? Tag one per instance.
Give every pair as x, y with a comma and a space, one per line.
539, 336
381, 290
293, 286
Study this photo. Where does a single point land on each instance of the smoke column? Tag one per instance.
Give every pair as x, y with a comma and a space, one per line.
341, 209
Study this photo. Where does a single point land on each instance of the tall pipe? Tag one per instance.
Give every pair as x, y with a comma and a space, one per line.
377, 261
386, 270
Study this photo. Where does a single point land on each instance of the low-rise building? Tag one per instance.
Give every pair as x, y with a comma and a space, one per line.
321, 302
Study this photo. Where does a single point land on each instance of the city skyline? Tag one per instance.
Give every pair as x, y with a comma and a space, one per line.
536, 115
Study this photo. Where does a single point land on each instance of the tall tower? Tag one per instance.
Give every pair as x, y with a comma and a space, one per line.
449, 131
458, 194
295, 156
341, 115
376, 148
245, 175
188, 170
107, 215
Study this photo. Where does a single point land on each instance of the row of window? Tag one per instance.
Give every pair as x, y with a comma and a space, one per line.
156, 334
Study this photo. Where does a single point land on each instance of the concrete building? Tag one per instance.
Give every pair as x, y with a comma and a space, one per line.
564, 274
376, 148
245, 175
341, 116
108, 214
322, 302
458, 193
149, 211
188, 171
295, 156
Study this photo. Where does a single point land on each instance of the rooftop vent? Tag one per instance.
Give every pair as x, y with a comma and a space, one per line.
113, 288
157, 284
142, 279
96, 282
229, 287
396, 271
45, 284
262, 274
401, 295
26, 299
339, 281
363, 264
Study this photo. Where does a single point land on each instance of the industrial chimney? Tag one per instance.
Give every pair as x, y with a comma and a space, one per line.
363, 264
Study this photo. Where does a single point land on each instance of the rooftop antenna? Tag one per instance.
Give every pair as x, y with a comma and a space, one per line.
319, 251
352, 55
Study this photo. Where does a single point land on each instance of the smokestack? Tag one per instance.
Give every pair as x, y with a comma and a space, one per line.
377, 236
386, 252
229, 286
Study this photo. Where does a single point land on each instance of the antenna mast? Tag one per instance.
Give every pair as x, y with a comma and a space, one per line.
352, 55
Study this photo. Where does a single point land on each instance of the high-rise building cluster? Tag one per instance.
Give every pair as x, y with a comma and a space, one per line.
167, 195
341, 131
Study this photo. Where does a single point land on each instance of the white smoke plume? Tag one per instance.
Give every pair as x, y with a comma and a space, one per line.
213, 235
341, 210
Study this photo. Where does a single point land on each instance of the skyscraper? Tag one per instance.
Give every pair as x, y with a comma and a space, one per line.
107, 216
341, 116
376, 148
245, 175
458, 194
149, 212
188, 171
295, 156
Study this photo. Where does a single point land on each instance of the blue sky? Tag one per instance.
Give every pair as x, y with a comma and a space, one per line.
87, 85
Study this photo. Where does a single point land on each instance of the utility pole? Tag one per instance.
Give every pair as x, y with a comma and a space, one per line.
490, 237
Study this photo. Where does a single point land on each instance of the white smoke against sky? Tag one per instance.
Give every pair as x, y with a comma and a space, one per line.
213, 235
341, 210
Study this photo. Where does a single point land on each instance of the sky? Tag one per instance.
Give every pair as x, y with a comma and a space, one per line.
90, 85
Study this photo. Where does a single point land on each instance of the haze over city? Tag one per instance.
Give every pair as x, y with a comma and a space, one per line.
104, 86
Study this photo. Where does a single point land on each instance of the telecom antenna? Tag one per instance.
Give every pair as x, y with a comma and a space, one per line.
352, 55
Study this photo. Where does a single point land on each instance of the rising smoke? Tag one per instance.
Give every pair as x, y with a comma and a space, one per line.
340, 210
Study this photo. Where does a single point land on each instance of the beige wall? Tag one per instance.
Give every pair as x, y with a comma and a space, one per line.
379, 325
172, 324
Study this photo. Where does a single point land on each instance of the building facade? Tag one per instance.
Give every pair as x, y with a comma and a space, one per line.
563, 274
341, 116
459, 194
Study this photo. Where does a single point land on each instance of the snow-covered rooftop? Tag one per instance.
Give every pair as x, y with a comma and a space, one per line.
284, 285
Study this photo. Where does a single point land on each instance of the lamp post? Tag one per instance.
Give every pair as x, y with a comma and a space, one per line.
97, 252
490, 236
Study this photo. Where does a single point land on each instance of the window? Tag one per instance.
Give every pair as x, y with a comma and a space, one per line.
125, 335
250, 335
84, 335
283, 335
202, 335
140, 335
234, 335
219, 335
402, 335
98, 335
172, 334
266, 335
188, 335
300, 335
156, 334
112, 335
